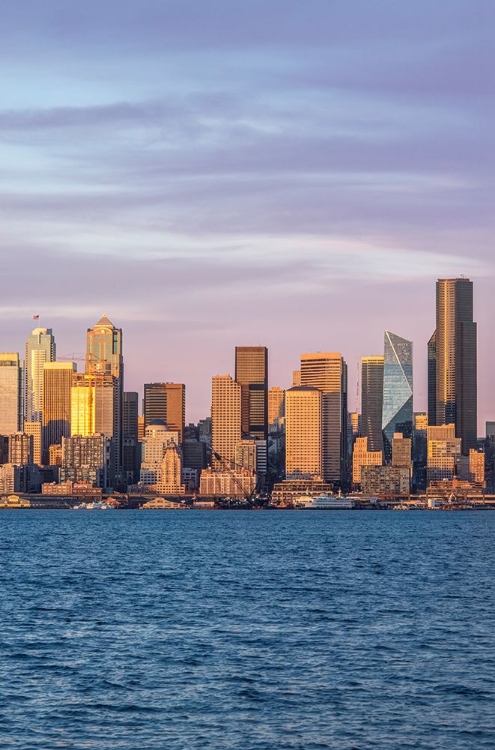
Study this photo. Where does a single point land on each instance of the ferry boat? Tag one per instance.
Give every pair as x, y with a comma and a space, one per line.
325, 502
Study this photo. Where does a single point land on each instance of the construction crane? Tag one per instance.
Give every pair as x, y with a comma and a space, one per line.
230, 466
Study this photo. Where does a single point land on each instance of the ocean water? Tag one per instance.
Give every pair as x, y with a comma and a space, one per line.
249, 630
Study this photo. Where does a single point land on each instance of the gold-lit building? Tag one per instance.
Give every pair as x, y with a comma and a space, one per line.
35, 430
10, 393
251, 372
225, 419
327, 371
443, 453
303, 425
56, 416
361, 456
276, 408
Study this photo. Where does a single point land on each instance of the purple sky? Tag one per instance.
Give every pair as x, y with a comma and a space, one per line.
224, 172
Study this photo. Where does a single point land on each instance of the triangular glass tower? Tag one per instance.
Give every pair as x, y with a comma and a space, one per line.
397, 414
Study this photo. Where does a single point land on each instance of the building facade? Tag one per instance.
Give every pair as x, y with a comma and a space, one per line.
304, 433
397, 412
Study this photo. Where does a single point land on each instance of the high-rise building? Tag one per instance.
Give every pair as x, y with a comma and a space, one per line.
154, 403
166, 401
444, 452
104, 356
455, 360
130, 413
40, 348
10, 393
56, 413
251, 372
20, 449
327, 371
401, 451
276, 408
397, 412
432, 379
372, 401
304, 433
35, 430
176, 407
225, 420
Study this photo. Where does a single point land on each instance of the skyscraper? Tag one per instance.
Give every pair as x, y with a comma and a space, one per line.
40, 348
166, 401
304, 433
225, 419
104, 356
432, 379
10, 393
397, 413
251, 372
56, 413
130, 413
455, 360
372, 401
327, 371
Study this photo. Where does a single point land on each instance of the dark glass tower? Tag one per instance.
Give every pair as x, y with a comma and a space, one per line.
397, 414
372, 401
251, 372
455, 366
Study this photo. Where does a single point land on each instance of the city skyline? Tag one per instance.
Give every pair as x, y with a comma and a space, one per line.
301, 169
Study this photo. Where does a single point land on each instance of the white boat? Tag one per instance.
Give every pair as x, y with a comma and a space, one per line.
325, 502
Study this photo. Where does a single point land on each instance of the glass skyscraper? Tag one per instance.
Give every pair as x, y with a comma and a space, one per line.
397, 413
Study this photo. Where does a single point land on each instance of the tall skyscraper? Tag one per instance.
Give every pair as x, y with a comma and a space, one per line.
225, 419
251, 372
327, 371
397, 414
56, 413
40, 348
432, 379
455, 361
304, 433
10, 393
154, 403
372, 401
130, 413
104, 356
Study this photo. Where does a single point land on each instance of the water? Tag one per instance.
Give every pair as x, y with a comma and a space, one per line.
247, 630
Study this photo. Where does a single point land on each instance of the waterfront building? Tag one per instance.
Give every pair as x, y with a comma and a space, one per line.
86, 459
10, 393
303, 422
443, 453
287, 491
372, 400
362, 456
225, 420
40, 348
153, 447
56, 412
170, 472
237, 483
455, 366
397, 411
385, 480
327, 371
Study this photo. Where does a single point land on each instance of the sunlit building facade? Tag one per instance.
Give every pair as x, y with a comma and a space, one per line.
251, 372
40, 348
56, 413
10, 393
304, 433
225, 420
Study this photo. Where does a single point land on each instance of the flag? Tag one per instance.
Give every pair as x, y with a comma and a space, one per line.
36, 317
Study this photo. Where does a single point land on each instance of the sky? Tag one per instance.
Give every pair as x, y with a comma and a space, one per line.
222, 173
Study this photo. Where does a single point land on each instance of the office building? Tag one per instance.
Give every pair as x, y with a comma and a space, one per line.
251, 372
397, 411
327, 371
455, 379
276, 409
362, 456
40, 348
225, 420
304, 433
86, 459
130, 414
104, 357
372, 401
20, 449
167, 402
35, 429
56, 412
443, 453
10, 393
